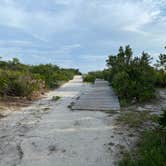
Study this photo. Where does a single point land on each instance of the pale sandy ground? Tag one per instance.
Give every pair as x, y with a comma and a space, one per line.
48, 133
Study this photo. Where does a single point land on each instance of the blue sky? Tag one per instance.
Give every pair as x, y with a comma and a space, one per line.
80, 33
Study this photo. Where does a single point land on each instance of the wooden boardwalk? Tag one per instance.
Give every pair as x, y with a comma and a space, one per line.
99, 97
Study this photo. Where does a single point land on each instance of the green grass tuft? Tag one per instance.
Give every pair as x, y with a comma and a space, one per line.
135, 119
151, 150
55, 98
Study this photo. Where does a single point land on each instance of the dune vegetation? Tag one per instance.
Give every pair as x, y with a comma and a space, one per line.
134, 78
21, 80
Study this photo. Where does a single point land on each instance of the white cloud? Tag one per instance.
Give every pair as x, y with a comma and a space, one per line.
97, 26
123, 15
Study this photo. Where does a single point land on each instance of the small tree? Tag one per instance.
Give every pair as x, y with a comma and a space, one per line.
15, 61
162, 119
132, 77
161, 62
161, 71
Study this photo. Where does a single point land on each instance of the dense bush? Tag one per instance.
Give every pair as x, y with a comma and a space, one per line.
161, 71
151, 149
53, 75
18, 79
89, 78
101, 74
162, 119
132, 78
97, 74
122, 83
161, 62
17, 84
160, 78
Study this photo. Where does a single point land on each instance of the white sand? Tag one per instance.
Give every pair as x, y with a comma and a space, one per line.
48, 133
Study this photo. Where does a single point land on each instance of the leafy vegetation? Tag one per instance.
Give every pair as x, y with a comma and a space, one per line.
133, 77
161, 62
151, 151
162, 119
160, 78
89, 78
135, 119
151, 148
161, 71
17, 79
53, 75
15, 83
55, 98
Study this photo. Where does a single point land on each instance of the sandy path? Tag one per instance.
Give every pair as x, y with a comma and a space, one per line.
48, 134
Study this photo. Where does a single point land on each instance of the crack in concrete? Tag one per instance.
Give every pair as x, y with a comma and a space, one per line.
20, 151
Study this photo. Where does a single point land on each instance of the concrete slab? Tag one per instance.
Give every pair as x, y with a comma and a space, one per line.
98, 97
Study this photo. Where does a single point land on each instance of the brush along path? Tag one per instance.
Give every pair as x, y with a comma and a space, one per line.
98, 97
48, 133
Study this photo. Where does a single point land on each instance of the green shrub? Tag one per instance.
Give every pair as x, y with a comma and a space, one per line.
55, 98
97, 74
17, 79
132, 78
89, 78
161, 71
101, 74
53, 75
160, 78
162, 119
17, 84
121, 83
151, 151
